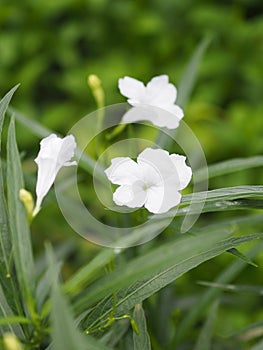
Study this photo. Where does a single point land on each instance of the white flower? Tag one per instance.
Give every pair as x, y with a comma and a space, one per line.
55, 152
156, 101
153, 182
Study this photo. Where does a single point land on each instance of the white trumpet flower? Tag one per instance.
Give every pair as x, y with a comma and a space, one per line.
154, 102
55, 152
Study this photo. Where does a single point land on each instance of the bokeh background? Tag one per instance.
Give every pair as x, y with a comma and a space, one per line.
50, 48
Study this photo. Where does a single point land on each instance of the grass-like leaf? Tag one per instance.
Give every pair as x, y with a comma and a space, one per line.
210, 295
7, 313
21, 242
188, 78
5, 238
229, 166
204, 341
141, 340
240, 255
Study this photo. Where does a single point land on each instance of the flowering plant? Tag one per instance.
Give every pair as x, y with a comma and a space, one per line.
108, 295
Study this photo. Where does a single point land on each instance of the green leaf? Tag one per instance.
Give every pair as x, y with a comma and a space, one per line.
65, 335
3, 107
204, 341
210, 295
6, 313
21, 242
145, 275
234, 288
141, 340
240, 255
229, 198
14, 319
188, 79
228, 167
5, 242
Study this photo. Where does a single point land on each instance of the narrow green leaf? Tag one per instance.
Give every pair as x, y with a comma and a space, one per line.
228, 198
185, 87
212, 293
234, 288
188, 79
22, 250
250, 332
204, 341
5, 239
141, 340
3, 107
14, 319
6, 313
229, 166
145, 275
241, 256
65, 335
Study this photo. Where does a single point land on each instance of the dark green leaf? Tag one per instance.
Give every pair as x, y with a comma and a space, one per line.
21, 242
237, 253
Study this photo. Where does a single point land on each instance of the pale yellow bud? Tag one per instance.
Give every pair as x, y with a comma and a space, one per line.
27, 199
94, 81
95, 85
11, 342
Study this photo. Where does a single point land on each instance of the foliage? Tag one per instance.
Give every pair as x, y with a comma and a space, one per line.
174, 291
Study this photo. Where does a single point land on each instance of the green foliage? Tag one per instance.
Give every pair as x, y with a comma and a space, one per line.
87, 297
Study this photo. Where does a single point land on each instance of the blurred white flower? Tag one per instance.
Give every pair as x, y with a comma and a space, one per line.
153, 182
154, 102
55, 152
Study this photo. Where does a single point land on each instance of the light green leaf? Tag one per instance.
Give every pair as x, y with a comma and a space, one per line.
141, 340
14, 319
145, 275
21, 242
204, 341
229, 166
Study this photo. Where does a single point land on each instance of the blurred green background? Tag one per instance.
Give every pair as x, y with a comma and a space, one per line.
50, 47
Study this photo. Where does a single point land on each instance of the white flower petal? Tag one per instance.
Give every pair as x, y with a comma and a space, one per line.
131, 88
162, 199
160, 92
122, 171
133, 196
55, 152
158, 159
156, 115
184, 171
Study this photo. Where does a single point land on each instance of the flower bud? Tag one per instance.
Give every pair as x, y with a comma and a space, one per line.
27, 199
11, 342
